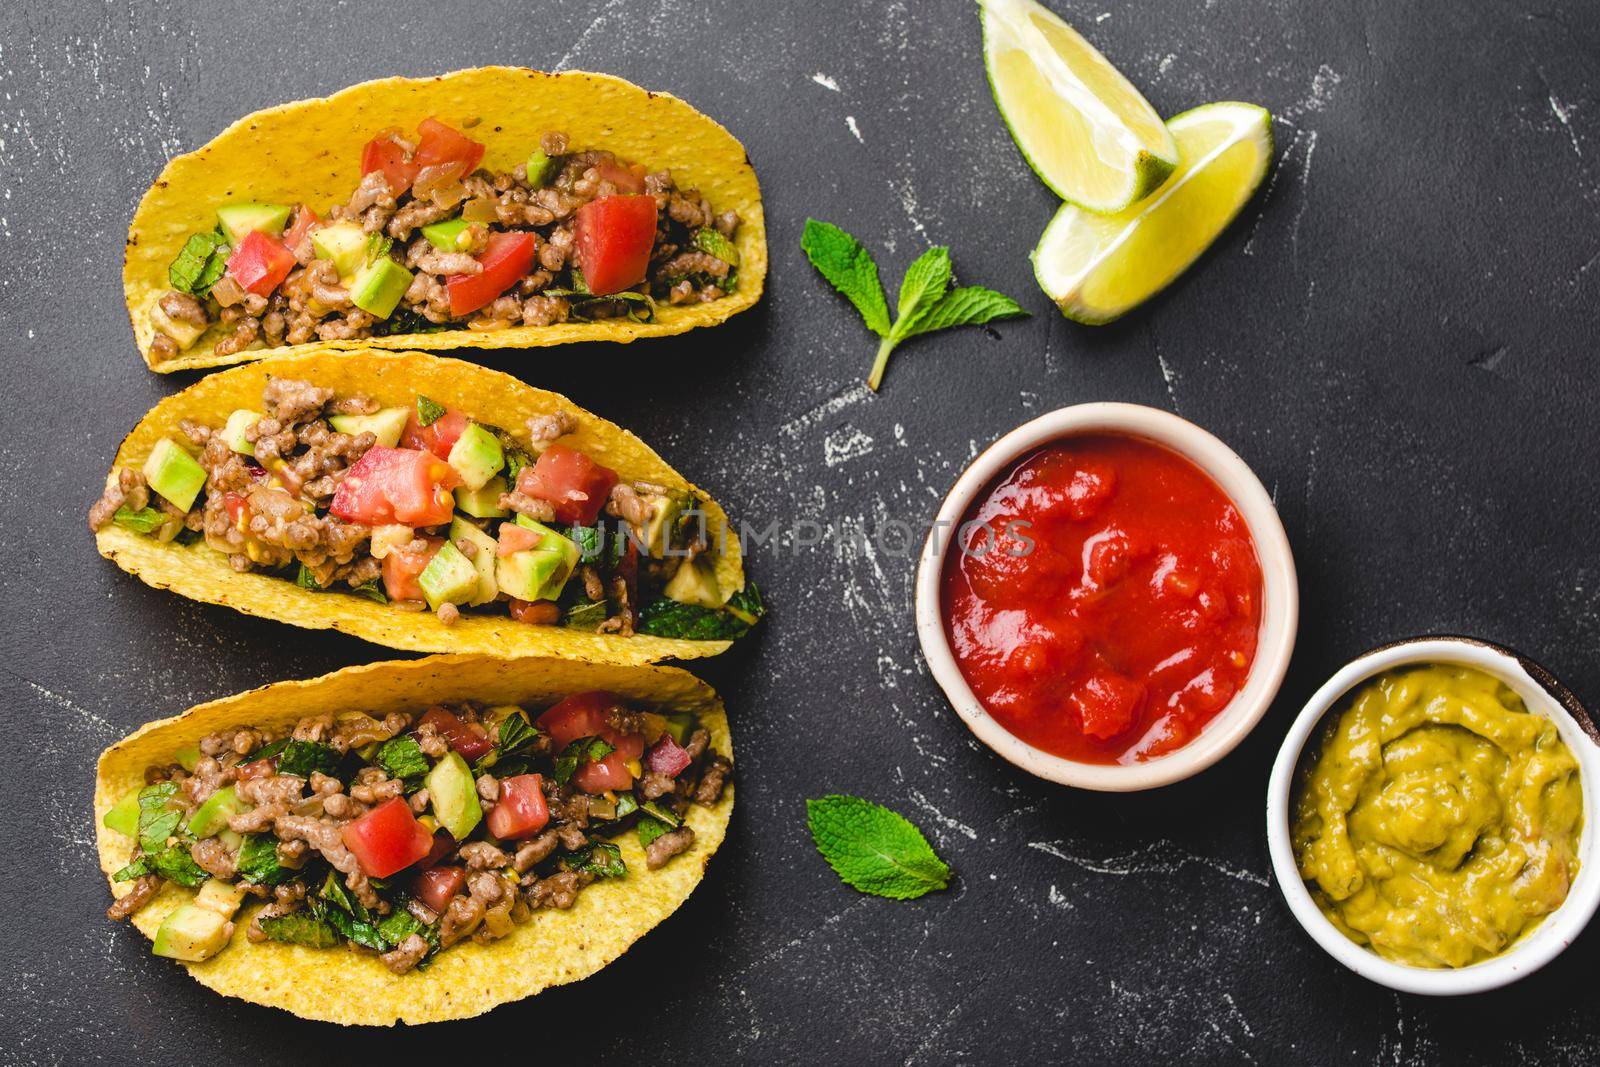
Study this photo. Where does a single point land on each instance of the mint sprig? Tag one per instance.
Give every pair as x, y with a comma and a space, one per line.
927, 303
873, 849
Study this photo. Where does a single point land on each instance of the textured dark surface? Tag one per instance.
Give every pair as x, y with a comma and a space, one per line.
1399, 335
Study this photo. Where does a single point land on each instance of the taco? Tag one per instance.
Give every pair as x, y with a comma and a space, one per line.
422, 503
490, 208
415, 841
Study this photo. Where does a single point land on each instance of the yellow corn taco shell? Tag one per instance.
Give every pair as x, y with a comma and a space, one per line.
395, 378
309, 152
342, 985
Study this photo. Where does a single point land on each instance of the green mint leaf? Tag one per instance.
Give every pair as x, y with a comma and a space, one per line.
401, 757
176, 865
302, 757
200, 264
649, 829
603, 860
849, 268
582, 750
971, 305
300, 928
306, 580
372, 590
428, 411
874, 849
584, 614
258, 861
714, 243
268, 750
159, 815
143, 521
516, 459
378, 246
137, 869
400, 924
925, 282
665, 617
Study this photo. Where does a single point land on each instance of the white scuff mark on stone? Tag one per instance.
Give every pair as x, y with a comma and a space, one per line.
1030, 400
1159, 857
908, 203
83, 713
845, 443
798, 425
1305, 194
1272, 185
1058, 899
940, 817
1166, 63
1563, 114
1169, 376
1324, 83
855, 131
1102, 16
825, 81
588, 31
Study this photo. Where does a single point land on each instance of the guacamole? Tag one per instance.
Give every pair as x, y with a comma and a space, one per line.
1438, 819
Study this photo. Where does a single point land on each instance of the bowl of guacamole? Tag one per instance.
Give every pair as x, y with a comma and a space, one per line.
1431, 816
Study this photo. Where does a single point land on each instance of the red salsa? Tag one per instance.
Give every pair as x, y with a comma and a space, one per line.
1103, 598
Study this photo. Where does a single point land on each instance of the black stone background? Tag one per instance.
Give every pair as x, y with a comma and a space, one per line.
1398, 334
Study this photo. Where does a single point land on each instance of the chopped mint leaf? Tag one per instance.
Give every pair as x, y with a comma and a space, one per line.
515, 736
603, 860
258, 862
137, 869
159, 815
306, 580
372, 590
405, 321
516, 459
302, 757
401, 757
300, 928
584, 614
400, 924
649, 829
849, 268
176, 865
874, 849
591, 541
200, 264
428, 411
378, 246
268, 750
713, 242
924, 305
144, 521
665, 617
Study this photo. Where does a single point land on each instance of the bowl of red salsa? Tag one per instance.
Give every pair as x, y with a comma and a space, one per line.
1108, 597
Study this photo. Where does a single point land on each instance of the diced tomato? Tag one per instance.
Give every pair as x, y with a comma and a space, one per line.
439, 436
579, 715
260, 263
536, 612
598, 776
613, 240
438, 143
1107, 703
387, 839
443, 845
514, 538
385, 152
261, 768
506, 261
667, 757
467, 738
401, 568
521, 810
234, 504
396, 485
626, 179
436, 886
576, 485
304, 219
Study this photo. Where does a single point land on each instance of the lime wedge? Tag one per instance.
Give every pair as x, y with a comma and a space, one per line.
1098, 267
1081, 125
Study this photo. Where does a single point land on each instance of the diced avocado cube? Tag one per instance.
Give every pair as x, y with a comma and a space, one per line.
714, 242
679, 725
483, 503
187, 757
342, 243
174, 474
541, 168
221, 897
477, 456
449, 578
234, 431
212, 816
695, 582
656, 537
482, 559
453, 795
184, 333
556, 557
124, 814
446, 235
192, 933
385, 539
378, 287
386, 425
239, 219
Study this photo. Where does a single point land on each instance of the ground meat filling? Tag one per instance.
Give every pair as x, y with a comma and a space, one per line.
313, 302
312, 813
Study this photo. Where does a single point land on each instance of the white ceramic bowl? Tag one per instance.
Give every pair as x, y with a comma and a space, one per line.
1280, 603
1543, 695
